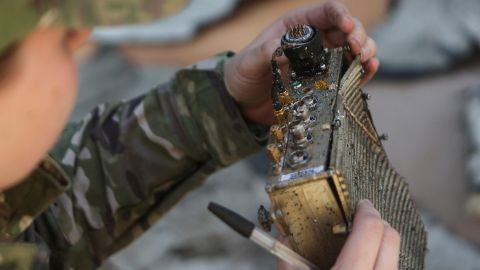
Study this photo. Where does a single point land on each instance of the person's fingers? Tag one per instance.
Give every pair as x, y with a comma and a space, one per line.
282, 265
357, 37
370, 67
251, 68
75, 38
334, 15
334, 38
362, 246
388, 256
323, 16
369, 50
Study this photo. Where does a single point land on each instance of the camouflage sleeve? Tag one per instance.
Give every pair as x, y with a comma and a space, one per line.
129, 162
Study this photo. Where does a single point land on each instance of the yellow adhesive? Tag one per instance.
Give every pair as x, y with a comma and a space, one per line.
274, 153
320, 85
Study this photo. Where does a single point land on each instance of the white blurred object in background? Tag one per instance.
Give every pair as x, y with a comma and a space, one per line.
177, 28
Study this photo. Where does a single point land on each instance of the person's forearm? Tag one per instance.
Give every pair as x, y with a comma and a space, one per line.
145, 154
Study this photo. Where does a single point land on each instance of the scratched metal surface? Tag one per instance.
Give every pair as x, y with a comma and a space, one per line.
360, 157
323, 114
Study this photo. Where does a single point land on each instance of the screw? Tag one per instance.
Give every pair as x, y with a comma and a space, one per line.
383, 137
336, 123
366, 96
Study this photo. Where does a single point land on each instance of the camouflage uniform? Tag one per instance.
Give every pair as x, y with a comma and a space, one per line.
114, 174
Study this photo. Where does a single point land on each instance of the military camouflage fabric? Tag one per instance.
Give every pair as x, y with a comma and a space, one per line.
115, 173
18, 17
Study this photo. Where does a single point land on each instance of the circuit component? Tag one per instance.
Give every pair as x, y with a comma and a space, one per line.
326, 154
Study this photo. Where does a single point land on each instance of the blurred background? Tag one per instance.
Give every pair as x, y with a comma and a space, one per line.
425, 97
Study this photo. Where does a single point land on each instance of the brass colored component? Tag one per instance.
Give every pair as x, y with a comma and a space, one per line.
340, 229
277, 133
310, 209
274, 153
285, 98
320, 85
342, 191
297, 31
281, 116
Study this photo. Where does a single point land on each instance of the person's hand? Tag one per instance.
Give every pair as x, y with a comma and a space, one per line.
372, 244
248, 75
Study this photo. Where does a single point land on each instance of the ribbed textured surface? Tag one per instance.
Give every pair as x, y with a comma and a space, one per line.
361, 159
